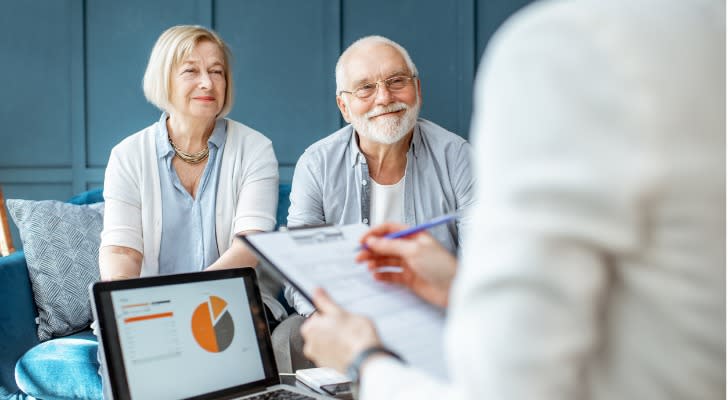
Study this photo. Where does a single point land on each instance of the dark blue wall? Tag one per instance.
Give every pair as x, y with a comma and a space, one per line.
72, 70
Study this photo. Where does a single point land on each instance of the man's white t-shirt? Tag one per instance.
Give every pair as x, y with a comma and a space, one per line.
387, 203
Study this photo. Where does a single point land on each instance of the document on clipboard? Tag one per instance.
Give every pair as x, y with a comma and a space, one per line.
324, 257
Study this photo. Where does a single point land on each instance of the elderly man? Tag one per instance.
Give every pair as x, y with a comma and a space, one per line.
387, 165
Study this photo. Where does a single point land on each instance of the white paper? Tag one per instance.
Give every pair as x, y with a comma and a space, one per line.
324, 257
317, 377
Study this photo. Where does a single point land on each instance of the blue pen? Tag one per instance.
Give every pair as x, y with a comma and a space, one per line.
419, 228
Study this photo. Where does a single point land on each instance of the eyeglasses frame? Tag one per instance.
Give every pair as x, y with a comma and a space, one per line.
410, 78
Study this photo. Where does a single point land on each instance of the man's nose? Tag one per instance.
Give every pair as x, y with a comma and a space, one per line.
383, 94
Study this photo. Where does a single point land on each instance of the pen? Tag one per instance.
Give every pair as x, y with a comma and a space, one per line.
418, 228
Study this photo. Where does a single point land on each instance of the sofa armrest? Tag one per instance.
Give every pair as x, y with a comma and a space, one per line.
17, 317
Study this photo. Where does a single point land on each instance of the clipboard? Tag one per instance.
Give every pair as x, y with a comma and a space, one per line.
324, 257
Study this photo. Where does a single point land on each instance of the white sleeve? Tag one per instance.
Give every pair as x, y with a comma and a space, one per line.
122, 208
258, 197
297, 301
387, 378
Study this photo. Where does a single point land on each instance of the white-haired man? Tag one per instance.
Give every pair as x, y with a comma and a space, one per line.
387, 165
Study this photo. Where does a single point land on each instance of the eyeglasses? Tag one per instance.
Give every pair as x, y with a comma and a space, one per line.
393, 84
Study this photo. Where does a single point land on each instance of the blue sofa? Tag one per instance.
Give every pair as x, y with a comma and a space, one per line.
60, 368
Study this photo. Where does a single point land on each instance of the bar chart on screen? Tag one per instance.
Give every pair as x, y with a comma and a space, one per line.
149, 330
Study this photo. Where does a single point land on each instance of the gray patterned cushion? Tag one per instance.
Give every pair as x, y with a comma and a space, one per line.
61, 244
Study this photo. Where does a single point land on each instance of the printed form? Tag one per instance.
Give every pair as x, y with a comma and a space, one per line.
324, 257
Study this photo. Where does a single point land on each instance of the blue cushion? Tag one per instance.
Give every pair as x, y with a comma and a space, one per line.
284, 190
89, 197
64, 368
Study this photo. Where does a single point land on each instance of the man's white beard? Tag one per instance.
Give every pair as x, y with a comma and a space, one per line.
387, 129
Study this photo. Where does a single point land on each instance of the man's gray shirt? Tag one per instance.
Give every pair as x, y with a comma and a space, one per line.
331, 183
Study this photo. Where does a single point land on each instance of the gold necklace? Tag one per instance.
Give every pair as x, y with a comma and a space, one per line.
190, 158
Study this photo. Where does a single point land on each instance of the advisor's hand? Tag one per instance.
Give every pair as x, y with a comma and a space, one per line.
333, 337
427, 268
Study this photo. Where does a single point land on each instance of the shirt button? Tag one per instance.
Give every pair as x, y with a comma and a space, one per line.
363, 182
365, 220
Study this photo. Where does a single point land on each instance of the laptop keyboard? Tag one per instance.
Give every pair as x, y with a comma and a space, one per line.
280, 394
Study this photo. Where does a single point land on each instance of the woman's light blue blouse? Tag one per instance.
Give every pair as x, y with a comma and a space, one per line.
188, 242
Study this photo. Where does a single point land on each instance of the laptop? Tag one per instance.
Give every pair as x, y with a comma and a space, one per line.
188, 336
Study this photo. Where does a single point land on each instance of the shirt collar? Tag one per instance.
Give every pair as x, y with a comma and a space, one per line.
164, 148
357, 156
354, 151
219, 133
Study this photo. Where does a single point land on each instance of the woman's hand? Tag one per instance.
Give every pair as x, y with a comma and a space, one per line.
238, 255
333, 337
427, 268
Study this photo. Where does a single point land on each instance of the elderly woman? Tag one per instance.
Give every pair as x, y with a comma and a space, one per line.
178, 191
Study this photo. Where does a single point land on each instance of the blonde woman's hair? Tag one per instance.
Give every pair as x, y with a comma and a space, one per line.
172, 47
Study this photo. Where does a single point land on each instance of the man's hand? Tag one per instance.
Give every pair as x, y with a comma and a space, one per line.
427, 268
333, 337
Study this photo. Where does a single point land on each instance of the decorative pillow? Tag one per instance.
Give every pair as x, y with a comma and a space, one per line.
61, 244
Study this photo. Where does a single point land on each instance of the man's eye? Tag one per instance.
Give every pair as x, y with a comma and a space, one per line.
368, 86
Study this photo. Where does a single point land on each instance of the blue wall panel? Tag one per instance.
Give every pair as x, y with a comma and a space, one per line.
35, 117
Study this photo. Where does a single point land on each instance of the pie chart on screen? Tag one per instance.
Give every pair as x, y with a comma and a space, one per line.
212, 325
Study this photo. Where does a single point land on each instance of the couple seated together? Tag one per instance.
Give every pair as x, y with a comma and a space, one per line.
179, 191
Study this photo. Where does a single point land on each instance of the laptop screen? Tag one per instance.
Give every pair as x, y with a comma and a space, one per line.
185, 336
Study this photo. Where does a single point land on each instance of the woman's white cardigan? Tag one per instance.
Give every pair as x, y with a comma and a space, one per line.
247, 192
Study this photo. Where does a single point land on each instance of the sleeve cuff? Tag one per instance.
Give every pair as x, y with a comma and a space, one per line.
296, 299
123, 238
264, 224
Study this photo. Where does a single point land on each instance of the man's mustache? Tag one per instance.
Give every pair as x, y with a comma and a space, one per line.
386, 109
